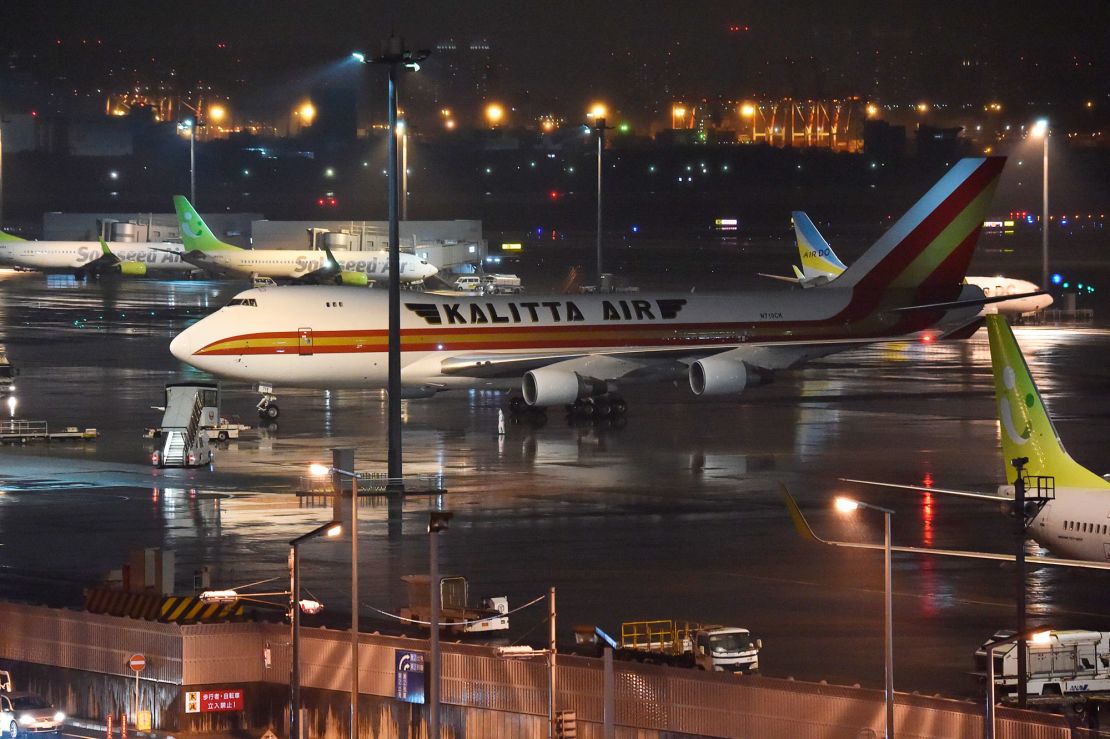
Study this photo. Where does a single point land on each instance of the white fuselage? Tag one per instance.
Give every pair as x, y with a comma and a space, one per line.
325, 336
996, 286
292, 264
49, 256
1075, 524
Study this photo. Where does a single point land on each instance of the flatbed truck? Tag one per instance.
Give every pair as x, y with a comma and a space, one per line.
709, 647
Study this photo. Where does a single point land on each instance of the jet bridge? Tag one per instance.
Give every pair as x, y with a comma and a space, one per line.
190, 407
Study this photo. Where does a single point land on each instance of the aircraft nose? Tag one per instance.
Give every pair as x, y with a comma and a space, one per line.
430, 270
182, 346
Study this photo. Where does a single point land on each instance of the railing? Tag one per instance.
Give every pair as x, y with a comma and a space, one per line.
375, 483
649, 700
194, 423
15, 427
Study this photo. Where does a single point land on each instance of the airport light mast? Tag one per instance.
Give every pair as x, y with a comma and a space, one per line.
394, 55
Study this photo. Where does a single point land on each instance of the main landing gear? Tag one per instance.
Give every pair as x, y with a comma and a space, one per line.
609, 405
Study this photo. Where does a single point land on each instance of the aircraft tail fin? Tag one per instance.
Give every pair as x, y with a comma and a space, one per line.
5, 236
195, 233
927, 251
1027, 429
818, 258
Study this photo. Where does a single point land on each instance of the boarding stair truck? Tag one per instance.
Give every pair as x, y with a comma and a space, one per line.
709, 647
190, 408
456, 614
1068, 667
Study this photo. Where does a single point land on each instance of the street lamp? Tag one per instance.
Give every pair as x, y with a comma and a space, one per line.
1040, 129
597, 112
1036, 636
190, 125
678, 115
319, 470
847, 505
331, 529
747, 110
437, 521
394, 54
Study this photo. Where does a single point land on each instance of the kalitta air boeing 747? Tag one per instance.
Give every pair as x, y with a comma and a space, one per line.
577, 350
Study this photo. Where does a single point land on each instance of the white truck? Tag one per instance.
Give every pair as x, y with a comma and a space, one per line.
1066, 664
709, 647
490, 284
495, 284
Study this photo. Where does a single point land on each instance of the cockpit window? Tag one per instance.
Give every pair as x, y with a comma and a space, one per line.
244, 301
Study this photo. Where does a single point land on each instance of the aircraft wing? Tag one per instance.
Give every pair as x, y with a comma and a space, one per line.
783, 278
201, 260
939, 491
806, 531
673, 362
965, 303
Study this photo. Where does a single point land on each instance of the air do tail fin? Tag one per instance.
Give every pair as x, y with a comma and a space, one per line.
1026, 428
928, 250
818, 258
195, 234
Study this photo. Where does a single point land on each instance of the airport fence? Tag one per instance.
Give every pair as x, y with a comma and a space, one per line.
483, 694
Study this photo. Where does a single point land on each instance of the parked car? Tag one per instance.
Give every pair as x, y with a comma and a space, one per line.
27, 713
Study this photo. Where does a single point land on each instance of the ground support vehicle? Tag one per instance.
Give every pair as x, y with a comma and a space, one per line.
456, 614
709, 647
1066, 668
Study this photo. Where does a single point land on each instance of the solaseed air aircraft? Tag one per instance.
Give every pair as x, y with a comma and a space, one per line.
90, 258
577, 350
1067, 509
207, 252
820, 266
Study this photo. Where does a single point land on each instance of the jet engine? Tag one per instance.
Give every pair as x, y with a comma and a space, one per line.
550, 386
357, 279
718, 376
132, 269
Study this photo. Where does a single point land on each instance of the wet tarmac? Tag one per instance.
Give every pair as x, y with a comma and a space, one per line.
675, 513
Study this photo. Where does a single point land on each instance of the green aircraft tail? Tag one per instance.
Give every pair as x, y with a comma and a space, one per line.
5, 236
195, 233
1027, 429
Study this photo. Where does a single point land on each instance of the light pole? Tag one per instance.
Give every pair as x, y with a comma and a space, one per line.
598, 112
192, 126
1040, 636
320, 470
329, 529
437, 521
1040, 128
845, 505
403, 132
394, 55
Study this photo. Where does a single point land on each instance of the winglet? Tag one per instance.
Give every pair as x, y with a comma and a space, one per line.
801, 525
104, 247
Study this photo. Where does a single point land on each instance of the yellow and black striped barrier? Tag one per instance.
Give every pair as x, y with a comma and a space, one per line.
180, 609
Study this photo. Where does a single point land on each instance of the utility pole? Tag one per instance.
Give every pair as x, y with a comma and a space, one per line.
1019, 560
551, 687
394, 55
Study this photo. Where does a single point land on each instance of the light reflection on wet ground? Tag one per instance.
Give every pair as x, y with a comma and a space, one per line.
674, 514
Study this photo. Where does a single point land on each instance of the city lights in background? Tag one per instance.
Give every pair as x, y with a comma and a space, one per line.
495, 114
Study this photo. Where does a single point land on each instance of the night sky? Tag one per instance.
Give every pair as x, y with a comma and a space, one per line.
575, 49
